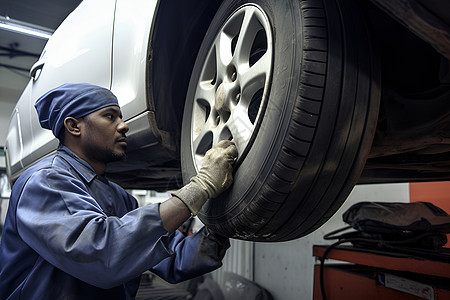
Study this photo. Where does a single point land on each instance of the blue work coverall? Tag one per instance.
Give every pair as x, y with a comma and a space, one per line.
71, 234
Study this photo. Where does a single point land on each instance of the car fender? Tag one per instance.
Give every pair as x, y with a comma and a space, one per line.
130, 55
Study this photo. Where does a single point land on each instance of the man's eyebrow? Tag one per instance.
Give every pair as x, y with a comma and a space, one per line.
115, 110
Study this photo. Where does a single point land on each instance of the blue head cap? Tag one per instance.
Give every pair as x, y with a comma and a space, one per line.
71, 100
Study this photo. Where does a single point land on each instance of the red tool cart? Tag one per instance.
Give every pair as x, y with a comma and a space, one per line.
356, 273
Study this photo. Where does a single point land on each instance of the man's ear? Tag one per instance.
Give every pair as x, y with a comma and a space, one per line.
72, 126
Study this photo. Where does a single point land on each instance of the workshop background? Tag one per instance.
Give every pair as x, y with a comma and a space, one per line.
284, 269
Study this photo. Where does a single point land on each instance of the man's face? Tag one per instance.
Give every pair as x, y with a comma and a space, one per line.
104, 137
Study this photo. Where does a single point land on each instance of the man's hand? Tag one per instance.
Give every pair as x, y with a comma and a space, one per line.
214, 177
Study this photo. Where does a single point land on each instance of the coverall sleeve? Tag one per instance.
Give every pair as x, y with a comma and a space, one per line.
193, 255
65, 226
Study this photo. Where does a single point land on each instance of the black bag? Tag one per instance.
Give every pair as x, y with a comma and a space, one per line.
416, 224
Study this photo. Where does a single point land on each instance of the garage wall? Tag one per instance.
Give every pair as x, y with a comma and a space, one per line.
286, 269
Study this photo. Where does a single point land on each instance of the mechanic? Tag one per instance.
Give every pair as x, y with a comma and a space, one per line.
70, 233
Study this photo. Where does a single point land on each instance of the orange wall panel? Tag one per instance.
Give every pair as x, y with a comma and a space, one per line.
437, 193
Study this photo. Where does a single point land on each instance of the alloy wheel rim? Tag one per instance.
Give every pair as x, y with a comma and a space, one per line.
232, 89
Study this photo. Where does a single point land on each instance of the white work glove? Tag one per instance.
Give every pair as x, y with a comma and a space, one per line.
214, 177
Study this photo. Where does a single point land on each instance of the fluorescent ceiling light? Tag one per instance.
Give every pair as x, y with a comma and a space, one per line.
25, 28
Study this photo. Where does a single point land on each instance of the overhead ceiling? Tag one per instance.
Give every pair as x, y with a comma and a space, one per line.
18, 52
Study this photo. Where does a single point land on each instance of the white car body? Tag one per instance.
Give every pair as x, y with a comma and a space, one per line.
113, 45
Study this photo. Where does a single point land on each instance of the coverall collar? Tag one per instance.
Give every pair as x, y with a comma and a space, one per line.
79, 165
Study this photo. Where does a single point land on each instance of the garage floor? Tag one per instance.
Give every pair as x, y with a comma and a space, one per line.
152, 287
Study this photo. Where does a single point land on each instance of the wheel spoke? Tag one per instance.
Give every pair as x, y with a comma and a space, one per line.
254, 78
248, 30
222, 54
206, 92
202, 140
203, 121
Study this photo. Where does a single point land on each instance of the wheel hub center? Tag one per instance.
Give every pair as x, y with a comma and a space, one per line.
222, 94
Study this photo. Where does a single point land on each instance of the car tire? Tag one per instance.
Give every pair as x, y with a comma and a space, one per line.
295, 85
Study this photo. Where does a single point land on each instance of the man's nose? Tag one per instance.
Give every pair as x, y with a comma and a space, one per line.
123, 127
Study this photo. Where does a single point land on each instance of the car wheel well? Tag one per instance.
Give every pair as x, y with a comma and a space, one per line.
179, 29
